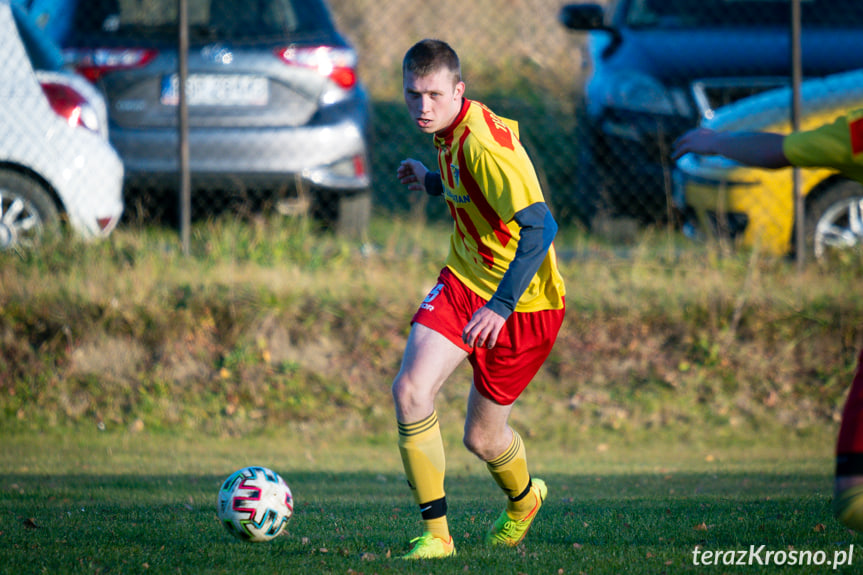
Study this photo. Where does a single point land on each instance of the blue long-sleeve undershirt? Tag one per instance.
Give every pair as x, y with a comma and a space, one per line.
538, 229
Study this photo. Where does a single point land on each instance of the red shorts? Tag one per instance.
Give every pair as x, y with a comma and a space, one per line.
849, 445
500, 373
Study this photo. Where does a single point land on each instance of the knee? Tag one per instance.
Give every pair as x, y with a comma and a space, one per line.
479, 444
410, 400
403, 391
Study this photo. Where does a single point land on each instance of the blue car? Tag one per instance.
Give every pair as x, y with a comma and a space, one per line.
656, 68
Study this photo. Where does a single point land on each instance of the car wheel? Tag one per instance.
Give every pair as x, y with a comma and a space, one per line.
348, 213
834, 220
27, 210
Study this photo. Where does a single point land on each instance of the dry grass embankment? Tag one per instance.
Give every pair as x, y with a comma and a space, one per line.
265, 326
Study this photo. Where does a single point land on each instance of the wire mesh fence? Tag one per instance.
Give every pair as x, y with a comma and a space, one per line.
285, 114
516, 58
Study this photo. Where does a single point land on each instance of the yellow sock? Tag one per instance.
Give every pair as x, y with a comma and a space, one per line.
421, 448
509, 470
848, 507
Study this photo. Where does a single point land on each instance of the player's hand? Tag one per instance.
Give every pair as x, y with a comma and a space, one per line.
483, 328
698, 141
412, 173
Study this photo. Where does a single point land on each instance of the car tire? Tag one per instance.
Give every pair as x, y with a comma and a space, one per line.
27, 210
347, 213
834, 218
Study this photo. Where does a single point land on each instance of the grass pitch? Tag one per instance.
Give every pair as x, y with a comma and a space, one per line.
145, 503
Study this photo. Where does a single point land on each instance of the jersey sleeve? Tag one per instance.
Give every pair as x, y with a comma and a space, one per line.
508, 180
831, 145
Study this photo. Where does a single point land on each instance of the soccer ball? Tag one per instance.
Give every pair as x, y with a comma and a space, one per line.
255, 504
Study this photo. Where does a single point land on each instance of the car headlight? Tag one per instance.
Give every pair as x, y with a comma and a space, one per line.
638, 93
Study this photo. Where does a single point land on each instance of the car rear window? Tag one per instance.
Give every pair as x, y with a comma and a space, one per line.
742, 13
243, 20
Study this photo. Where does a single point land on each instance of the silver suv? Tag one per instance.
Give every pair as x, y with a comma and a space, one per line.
275, 104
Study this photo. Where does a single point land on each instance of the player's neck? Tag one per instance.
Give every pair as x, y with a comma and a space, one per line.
462, 110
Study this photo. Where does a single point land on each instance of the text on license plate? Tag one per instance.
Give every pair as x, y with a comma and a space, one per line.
217, 90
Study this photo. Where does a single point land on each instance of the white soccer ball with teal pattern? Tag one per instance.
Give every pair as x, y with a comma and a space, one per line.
255, 504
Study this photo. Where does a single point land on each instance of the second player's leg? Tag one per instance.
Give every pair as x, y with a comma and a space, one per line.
848, 496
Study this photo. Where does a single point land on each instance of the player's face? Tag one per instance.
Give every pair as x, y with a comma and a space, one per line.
433, 100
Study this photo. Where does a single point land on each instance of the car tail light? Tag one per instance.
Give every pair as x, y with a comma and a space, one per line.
338, 64
106, 225
96, 62
359, 165
71, 105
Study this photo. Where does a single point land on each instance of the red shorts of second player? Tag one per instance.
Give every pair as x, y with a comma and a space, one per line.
500, 373
849, 445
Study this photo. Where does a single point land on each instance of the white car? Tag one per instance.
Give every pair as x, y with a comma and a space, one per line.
55, 159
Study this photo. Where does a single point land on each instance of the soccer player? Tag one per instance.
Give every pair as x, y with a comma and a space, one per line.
837, 145
498, 302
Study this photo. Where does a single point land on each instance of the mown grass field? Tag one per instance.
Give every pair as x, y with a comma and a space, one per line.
145, 503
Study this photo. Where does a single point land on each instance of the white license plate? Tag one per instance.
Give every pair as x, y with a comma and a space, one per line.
217, 90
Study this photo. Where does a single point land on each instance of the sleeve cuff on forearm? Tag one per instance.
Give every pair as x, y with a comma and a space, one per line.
433, 184
500, 307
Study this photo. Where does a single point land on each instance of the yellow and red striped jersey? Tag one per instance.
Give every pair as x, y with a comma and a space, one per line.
487, 178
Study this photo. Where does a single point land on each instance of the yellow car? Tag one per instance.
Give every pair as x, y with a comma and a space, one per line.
754, 207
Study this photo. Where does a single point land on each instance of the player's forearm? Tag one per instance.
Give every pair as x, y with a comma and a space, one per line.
761, 149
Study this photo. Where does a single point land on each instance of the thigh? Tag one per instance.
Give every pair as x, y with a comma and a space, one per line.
428, 361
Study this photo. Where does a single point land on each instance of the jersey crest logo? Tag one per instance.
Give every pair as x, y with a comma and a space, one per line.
454, 169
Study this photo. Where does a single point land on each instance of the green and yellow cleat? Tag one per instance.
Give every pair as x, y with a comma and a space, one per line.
427, 546
848, 507
510, 532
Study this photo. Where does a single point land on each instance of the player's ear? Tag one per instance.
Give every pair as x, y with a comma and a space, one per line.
459, 91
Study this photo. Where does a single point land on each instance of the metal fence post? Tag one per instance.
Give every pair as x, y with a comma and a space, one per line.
183, 126
796, 77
